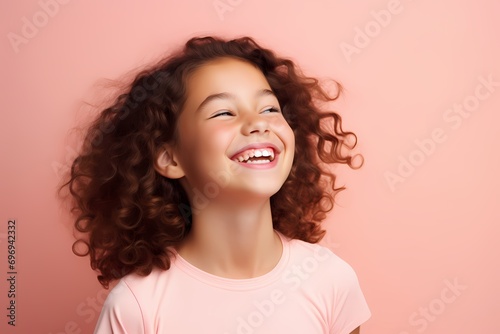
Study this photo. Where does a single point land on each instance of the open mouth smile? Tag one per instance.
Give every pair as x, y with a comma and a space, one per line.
256, 156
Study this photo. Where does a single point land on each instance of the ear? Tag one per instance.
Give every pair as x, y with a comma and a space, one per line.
166, 163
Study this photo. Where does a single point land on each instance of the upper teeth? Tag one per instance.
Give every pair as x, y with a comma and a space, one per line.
255, 153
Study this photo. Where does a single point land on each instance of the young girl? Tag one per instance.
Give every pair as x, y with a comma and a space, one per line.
202, 190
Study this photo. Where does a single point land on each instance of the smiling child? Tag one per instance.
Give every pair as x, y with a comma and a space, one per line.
201, 191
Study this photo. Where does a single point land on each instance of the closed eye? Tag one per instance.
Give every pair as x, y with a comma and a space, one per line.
228, 113
272, 109
222, 113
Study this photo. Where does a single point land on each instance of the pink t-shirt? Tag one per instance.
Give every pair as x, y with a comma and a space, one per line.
310, 291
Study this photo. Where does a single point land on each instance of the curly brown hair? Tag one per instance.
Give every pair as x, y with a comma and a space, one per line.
129, 215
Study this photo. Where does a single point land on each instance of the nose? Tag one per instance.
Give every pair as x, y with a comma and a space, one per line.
255, 123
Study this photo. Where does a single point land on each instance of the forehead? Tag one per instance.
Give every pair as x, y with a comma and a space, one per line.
224, 74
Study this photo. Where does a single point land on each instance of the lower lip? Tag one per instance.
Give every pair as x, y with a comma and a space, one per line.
259, 166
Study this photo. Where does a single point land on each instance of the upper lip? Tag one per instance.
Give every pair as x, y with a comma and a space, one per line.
256, 146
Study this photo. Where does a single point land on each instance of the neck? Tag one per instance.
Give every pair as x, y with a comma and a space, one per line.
233, 242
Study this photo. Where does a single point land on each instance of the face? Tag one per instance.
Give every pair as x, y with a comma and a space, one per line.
233, 139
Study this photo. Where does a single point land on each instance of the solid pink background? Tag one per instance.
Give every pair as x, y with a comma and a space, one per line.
407, 242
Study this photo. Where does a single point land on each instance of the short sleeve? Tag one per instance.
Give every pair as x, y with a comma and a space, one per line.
350, 309
121, 313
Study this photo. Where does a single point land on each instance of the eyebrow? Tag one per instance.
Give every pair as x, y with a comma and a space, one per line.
229, 96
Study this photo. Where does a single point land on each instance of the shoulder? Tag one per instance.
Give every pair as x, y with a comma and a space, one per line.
324, 269
121, 313
129, 304
326, 260
318, 271
346, 304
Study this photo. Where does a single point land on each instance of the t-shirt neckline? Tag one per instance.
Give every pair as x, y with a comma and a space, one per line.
236, 283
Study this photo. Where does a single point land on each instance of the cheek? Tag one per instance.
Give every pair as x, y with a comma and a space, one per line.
284, 130
212, 142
